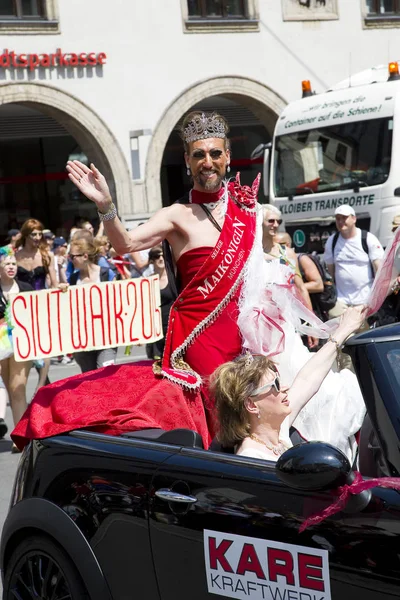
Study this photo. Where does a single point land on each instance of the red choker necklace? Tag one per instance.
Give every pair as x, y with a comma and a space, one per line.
196, 197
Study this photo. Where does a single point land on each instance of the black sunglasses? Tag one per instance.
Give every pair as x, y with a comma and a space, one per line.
272, 221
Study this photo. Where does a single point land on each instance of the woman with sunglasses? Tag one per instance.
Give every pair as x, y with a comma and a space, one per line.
84, 257
255, 410
275, 329
289, 266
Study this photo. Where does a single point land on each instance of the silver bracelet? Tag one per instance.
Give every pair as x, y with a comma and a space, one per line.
109, 215
332, 339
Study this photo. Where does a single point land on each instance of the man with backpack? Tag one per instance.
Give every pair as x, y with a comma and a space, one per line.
352, 256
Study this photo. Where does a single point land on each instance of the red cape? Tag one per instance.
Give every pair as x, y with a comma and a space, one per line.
113, 400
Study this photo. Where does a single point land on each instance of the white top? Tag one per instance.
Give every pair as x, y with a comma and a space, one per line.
256, 450
353, 276
80, 282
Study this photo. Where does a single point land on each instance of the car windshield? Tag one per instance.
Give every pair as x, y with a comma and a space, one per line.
340, 157
393, 357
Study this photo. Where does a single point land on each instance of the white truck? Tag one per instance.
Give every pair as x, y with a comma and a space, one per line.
340, 146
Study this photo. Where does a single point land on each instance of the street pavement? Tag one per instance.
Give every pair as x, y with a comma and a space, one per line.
8, 461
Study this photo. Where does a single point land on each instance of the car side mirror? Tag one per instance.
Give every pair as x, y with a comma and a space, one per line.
319, 466
264, 150
314, 466
258, 151
397, 191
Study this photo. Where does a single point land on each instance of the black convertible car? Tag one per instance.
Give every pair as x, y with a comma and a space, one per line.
153, 515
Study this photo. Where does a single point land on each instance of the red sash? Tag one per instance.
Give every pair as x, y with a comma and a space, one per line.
216, 283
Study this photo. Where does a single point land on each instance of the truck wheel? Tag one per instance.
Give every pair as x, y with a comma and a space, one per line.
39, 570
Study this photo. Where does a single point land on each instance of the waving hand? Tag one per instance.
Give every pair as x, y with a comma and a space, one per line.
91, 183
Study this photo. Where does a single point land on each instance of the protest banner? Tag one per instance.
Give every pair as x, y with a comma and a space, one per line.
86, 317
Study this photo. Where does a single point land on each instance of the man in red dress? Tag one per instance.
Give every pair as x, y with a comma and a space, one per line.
211, 234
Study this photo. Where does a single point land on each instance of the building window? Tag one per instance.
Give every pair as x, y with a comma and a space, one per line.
217, 9
28, 16
219, 15
22, 9
382, 13
383, 7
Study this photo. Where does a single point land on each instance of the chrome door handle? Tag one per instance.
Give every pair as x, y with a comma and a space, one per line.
171, 496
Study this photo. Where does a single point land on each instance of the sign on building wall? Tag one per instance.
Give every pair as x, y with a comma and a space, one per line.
86, 317
10, 59
309, 10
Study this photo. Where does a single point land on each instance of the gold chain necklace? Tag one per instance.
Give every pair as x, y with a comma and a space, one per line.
277, 450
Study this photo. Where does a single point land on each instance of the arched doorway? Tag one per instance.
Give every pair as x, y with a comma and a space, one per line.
40, 129
251, 109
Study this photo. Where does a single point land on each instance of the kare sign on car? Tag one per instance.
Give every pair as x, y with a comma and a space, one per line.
243, 567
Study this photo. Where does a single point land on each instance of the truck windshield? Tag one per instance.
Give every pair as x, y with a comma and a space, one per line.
340, 157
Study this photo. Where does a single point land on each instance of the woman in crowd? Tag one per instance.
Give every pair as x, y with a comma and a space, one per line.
156, 258
255, 410
282, 258
103, 248
13, 373
84, 257
35, 264
275, 251
272, 324
34, 260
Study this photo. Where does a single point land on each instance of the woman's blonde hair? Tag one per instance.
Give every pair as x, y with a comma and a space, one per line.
100, 242
86, 247
230, 385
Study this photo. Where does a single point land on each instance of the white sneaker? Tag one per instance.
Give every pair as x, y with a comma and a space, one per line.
66, 360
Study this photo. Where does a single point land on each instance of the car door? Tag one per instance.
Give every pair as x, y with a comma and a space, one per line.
226, 525
102, 482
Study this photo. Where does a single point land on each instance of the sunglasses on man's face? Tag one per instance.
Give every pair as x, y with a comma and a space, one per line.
272, 221
276, 383
200, 154
72, 256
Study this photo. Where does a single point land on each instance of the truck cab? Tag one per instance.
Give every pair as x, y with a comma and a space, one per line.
334, 148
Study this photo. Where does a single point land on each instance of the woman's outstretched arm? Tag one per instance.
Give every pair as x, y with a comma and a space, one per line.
310, 377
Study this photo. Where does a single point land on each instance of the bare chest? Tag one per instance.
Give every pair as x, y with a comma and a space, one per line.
197, 229
29, 261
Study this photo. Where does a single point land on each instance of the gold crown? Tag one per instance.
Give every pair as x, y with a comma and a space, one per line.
203, 126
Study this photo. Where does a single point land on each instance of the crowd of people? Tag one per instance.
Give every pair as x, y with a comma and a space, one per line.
236, 359
36, 259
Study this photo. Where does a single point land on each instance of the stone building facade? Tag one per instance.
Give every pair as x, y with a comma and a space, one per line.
110, 82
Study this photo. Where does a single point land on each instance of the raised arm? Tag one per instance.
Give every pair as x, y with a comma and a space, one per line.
94, 186
310, 377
